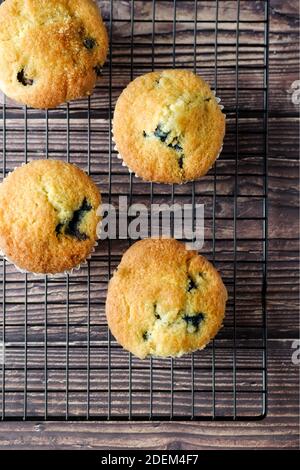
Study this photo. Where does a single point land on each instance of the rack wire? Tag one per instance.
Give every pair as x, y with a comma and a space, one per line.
61, 362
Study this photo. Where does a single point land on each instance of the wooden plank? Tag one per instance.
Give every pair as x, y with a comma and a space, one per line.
279, 430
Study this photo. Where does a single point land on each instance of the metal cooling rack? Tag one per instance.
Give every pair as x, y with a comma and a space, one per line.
61, 363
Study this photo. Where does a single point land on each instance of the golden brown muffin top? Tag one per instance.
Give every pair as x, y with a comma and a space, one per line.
51, 51
168, 126
164, 300
48, 216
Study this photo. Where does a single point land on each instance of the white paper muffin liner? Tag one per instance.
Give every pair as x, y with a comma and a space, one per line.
54, 275
119, 156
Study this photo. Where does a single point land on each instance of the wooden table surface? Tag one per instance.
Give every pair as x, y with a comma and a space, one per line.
280, 429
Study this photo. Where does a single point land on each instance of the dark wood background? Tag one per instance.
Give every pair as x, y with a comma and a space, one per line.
281, 427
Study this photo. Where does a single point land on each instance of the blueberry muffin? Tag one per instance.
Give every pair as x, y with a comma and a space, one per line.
164, 300
168, 126
48, 216
51, 51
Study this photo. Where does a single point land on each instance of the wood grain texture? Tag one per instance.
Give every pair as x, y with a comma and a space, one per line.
280, 429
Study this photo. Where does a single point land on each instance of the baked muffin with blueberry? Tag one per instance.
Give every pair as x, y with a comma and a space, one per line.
51, 51
168, 126
48, 216
164, 300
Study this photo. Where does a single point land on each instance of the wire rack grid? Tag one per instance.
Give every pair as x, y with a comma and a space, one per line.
60, 361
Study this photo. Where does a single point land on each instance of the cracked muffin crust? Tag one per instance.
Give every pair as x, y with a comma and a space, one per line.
51, 51
168, 126
48, 216
164, 300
